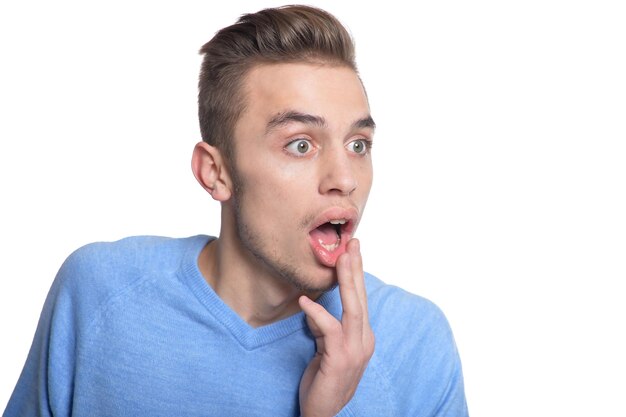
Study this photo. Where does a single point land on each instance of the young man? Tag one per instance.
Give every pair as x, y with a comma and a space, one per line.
275, 317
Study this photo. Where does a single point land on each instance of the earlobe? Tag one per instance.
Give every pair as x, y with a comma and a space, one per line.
209, 169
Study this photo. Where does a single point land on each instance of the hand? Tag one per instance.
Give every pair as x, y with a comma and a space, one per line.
343, 348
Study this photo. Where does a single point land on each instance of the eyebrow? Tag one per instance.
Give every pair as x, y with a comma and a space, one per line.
291, 116
366, 122
287, 117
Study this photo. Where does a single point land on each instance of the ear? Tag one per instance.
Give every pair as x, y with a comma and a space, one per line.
210, 170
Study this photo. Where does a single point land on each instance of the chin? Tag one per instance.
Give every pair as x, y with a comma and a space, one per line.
318, 281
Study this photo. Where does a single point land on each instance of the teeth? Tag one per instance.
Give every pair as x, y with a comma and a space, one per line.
338, 221
330, 247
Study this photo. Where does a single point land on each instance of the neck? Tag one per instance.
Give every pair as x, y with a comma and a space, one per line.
245, 285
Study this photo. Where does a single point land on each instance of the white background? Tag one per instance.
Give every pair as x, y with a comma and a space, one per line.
500, 170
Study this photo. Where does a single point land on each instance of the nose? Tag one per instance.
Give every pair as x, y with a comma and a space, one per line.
338, 173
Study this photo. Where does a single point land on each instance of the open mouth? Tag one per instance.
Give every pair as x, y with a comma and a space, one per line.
328, 235
331, 233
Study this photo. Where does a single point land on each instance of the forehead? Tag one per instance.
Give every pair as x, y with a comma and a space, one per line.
332, 92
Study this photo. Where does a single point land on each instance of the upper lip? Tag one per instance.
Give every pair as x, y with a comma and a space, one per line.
350, 214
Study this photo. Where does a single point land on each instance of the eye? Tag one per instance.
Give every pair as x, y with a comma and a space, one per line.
299, 147
359, 146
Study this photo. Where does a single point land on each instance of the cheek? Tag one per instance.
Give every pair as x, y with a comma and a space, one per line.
277, 180
270, 193
365, 177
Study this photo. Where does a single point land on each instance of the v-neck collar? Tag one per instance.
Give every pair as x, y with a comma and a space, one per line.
249, 337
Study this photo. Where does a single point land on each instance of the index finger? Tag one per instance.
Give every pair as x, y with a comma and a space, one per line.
354, 246
350, 291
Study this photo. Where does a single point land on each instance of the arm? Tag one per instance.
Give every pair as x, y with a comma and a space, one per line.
420, 356
45, 384
343, 348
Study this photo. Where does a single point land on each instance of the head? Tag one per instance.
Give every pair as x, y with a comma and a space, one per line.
278, 35
286, 134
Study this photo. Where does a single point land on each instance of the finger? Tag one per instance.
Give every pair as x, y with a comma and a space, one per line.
354, 248
325, 328
367, 335
352, 317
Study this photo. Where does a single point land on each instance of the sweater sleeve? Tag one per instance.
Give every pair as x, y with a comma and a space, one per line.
417, 356
436, 368
45, 385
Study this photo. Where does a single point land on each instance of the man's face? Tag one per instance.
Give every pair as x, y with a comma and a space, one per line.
303, 169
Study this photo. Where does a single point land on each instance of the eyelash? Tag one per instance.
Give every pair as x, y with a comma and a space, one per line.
368, 145
366, 142
296, 141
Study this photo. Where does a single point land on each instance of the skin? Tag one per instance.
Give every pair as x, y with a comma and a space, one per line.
301, 149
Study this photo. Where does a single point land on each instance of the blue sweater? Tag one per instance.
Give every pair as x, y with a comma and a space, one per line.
131, 328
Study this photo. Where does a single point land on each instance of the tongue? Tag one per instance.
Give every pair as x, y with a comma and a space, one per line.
326, 233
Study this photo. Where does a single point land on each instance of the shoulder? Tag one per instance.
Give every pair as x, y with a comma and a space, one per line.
97, 271
128, 251
402, 320
389, 303
415, 350
131, 253
406, 323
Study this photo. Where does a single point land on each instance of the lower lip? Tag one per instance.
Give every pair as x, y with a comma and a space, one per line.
326, 257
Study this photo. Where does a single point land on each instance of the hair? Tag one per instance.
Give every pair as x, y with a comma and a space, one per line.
275, 35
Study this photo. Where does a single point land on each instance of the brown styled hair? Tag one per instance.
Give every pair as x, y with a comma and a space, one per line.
284, 34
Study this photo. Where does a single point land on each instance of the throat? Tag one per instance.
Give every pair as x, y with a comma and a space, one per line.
259, 301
